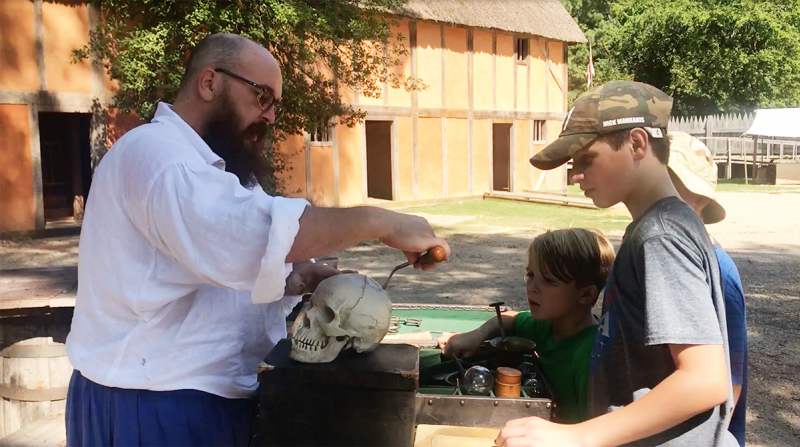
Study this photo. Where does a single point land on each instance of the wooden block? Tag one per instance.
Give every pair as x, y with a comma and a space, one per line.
453, 436
414, 336
46, 432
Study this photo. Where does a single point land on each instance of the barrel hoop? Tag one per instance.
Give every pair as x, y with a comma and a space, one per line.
34, 351
33, 395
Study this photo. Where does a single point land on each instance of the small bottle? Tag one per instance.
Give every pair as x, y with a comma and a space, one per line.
527, 367
534, 386
530, 378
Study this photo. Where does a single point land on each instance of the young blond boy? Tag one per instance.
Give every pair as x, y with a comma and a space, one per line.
565, 272
659, 371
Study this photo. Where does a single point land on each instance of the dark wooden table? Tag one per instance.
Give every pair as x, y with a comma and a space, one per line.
38, 287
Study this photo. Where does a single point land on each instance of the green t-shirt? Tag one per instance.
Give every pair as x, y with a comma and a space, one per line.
565, 362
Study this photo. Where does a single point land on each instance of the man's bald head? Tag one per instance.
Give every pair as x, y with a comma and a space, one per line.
216, 51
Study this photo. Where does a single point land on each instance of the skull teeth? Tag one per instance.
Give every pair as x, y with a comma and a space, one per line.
309, 343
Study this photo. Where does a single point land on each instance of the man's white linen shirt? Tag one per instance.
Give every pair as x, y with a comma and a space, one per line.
181, 270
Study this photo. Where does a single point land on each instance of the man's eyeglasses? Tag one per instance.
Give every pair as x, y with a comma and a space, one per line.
265, 97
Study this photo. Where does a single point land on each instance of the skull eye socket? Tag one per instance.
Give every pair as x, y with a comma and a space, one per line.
341, 338
327, 314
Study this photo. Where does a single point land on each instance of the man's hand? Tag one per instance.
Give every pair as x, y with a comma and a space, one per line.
537, 432
305, 277
413, 235
328, 230
461, 345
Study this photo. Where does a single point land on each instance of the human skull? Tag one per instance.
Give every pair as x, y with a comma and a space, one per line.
346, 311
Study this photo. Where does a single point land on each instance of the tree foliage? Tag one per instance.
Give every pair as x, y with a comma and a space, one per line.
145, 45
710, 55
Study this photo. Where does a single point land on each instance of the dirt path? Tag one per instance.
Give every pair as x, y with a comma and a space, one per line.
761, 233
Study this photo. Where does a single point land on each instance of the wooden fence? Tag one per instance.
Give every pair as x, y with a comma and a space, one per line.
739, 148
728, 125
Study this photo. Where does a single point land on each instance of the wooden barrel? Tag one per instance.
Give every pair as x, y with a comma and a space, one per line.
34, 368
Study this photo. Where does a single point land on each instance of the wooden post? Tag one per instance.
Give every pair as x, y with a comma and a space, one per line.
755, 155
755, 148
728, 166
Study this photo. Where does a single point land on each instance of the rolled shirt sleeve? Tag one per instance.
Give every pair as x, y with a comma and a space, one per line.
223, 233
680, 308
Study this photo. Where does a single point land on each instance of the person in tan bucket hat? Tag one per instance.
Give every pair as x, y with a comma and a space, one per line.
694, 174
658, 371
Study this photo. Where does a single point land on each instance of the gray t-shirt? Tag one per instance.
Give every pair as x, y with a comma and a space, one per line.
664, 289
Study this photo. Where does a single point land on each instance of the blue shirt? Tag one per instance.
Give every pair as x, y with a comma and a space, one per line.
737, 336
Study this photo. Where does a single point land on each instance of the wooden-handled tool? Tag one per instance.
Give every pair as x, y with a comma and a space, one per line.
432, 256
500, 320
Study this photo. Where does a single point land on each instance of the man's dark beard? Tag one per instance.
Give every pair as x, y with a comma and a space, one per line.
243, 151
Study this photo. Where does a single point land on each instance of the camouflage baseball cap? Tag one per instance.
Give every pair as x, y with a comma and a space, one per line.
692, 163
610, 107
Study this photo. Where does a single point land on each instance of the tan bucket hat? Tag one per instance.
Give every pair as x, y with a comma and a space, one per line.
692, 163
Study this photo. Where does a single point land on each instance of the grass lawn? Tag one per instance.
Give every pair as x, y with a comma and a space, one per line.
574, 189
479, 214
737, 185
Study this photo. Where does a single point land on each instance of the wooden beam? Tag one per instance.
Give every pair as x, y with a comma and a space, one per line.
375, 112
542, 197
412, 31
528, 79
98, 133
516, 43
36, 166
471, 118
38, 32
395, 159
309, 184
551, 69
49, 101
494, 71
546, 57
386, 82
333, 136
334, 133
443, 50
530, 152
512, 165
364, 184
550, 66
444, 63
444, 157
491, 155
37, 287
565, 89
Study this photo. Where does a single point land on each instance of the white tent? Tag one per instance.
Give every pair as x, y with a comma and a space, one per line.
777, 123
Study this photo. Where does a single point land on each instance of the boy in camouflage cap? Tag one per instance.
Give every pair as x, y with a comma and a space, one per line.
659, 371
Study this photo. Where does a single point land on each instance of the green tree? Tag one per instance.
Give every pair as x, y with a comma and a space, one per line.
145, 44
710, 55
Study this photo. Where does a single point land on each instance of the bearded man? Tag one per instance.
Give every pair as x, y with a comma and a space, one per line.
187, 269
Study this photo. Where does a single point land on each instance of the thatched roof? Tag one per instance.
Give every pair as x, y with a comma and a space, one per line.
545, 18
